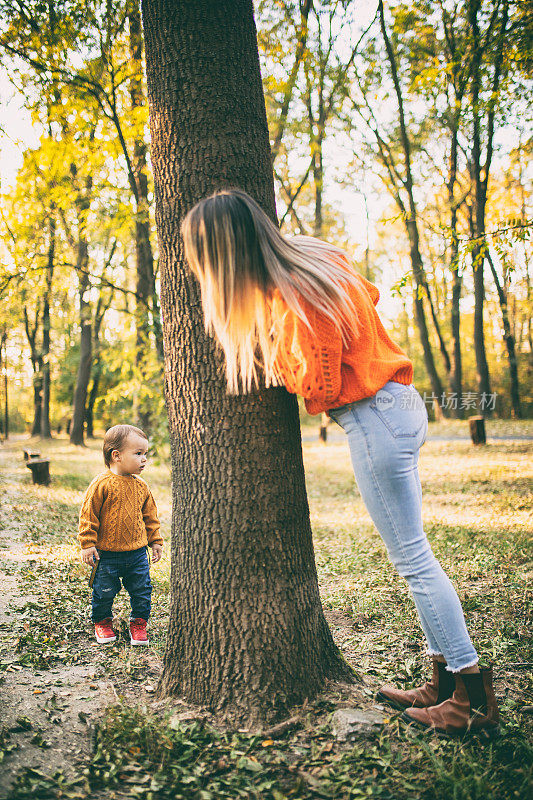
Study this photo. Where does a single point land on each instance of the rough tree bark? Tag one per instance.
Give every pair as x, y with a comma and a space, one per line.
247, 635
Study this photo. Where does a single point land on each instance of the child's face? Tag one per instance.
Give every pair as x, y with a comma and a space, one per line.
131, 459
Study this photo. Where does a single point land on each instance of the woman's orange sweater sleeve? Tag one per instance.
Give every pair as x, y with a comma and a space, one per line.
310, 359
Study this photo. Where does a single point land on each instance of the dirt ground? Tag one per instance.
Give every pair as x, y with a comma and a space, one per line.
47, 716
47, 713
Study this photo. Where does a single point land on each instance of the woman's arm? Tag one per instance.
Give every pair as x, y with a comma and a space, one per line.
310, 360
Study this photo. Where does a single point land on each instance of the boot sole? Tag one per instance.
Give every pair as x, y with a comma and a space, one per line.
384, 699
483, 733
106, 639
136, 643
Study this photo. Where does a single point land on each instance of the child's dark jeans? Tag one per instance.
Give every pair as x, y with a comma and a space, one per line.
132, 567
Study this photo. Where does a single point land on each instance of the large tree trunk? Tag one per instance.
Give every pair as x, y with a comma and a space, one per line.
247, 634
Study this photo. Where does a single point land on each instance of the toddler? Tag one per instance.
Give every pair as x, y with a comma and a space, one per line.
118, 519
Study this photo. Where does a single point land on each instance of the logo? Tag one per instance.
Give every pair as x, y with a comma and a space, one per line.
384, 399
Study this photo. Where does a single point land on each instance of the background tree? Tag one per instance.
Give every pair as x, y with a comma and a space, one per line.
76, 65
111, 84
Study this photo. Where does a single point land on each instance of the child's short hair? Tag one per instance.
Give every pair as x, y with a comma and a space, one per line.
116, 436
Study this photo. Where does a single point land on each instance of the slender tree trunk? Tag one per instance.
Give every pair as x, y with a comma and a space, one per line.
318, 180
84, 374
84, 368
305, 8
509, 342
1, 417
37, 366
456, 370
420, 316
481, 173
478, 259
37, 394
97, 367
367, 238
3, 362
93, 394
411, 222
147, 300
46, 431
247, 634
528, 324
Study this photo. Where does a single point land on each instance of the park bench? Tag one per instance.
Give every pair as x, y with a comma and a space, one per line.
40, 470
29, 454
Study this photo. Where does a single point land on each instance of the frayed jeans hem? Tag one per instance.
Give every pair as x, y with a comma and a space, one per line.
464, 666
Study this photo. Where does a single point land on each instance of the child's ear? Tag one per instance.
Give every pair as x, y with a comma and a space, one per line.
115, 455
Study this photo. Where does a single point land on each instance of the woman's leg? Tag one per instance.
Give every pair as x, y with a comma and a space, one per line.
385, 433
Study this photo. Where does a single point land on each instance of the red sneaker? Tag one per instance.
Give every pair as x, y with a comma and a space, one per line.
138, 631
104, 631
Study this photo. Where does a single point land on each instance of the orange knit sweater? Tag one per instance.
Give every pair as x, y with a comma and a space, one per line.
118, 513
321, 369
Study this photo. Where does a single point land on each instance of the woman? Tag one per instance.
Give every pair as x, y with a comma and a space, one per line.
294, 310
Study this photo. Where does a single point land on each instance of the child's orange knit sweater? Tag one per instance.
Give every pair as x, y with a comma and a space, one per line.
321, 369
118, 513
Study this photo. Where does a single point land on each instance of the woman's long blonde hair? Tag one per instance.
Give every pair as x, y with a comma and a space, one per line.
240, 258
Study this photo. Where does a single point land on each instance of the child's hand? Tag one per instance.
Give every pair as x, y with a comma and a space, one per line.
88, 553
157, 552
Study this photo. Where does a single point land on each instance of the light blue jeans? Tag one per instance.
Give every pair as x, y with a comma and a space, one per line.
385, 433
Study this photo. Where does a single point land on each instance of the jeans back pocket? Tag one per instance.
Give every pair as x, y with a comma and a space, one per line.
400, 408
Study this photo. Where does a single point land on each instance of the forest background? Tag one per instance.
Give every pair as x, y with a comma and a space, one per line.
400, 133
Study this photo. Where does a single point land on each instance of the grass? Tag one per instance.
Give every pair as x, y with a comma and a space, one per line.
477, 514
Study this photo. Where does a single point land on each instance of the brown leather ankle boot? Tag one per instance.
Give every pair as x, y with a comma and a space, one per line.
435, 691
471, 709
